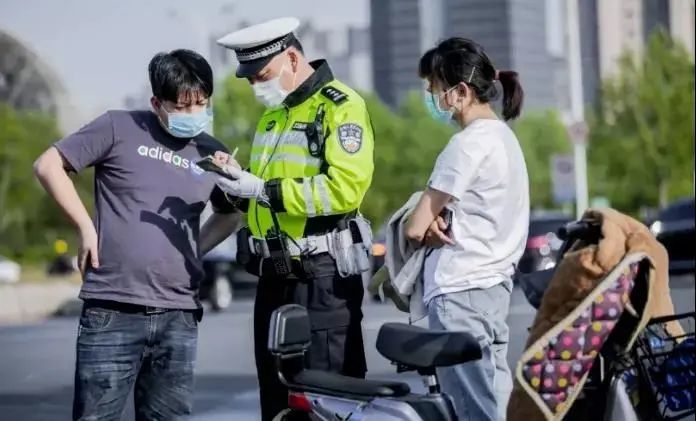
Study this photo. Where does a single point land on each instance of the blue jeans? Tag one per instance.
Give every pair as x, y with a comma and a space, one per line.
479, 389
117, 350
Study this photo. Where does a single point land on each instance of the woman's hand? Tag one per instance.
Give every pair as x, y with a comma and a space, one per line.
425, 226
436, 235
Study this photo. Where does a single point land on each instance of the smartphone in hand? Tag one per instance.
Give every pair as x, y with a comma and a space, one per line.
209, 164
446, 215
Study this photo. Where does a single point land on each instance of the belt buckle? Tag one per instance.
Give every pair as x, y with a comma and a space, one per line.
154, 310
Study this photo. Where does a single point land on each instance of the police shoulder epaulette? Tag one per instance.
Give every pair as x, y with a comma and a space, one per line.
334, 94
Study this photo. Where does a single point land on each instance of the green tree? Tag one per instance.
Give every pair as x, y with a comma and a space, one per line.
29, 220
541, 135
642, 133
407, 143
236, 114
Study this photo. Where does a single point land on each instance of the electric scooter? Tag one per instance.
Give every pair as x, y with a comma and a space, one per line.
332, 396
327, 396
320, 395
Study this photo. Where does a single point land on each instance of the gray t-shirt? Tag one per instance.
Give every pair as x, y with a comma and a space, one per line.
149, 195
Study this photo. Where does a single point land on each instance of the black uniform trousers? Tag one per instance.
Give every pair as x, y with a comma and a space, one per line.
334, 307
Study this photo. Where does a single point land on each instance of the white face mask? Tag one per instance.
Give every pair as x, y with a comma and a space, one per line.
270, 93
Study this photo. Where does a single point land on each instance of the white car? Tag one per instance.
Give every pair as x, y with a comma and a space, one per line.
9, 271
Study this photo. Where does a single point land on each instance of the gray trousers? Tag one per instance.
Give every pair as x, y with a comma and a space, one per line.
479, 389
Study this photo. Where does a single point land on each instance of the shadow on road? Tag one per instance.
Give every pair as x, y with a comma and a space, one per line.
52, 404
214, 393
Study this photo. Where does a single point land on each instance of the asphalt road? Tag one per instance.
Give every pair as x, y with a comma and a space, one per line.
36, 364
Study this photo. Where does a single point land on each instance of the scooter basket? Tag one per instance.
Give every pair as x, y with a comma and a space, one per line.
667, 367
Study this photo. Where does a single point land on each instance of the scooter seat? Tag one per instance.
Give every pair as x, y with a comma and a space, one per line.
335, 384
420, 348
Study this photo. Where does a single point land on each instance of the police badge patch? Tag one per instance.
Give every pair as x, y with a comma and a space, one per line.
350, 137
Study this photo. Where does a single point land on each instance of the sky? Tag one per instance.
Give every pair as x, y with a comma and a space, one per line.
100, 48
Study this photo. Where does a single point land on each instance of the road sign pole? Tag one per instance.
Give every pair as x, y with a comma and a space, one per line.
563, 178
581, 194
577, 105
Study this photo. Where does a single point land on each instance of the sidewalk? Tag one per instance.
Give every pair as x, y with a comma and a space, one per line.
29, 302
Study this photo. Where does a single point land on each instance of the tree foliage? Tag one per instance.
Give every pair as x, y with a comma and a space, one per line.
407, 143
641, 150
29, 219
236, 113
541, 135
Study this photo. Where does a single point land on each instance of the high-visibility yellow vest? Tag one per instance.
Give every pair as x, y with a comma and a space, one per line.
309, 182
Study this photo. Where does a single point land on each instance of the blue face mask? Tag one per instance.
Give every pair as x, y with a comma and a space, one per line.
185, 125
432, 104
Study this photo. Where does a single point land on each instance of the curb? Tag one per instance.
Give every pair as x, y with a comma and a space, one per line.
26, 303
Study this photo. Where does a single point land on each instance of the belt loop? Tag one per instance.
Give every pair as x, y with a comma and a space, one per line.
265, 252
330, 244
310, 244
154, 310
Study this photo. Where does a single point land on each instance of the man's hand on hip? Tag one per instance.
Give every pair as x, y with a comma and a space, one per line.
88, 253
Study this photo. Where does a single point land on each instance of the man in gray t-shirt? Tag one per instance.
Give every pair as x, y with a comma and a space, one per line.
140, 256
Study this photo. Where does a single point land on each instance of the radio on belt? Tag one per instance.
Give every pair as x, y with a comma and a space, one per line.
278, 246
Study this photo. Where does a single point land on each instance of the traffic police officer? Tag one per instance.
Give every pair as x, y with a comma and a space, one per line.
311, 165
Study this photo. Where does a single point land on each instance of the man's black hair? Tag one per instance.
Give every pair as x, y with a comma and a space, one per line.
180, 71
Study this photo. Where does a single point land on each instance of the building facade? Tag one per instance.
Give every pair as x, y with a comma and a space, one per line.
395, 32
626, 25
512, 32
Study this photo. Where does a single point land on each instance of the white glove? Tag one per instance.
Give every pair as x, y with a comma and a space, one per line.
245, 184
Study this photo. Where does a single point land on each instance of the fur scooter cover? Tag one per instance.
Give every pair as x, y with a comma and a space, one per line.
589, 292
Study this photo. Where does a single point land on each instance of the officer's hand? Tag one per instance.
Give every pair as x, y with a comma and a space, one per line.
244, 184
224, 159
435, 236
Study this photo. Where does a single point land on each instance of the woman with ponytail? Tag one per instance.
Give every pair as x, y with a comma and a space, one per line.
474, 215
